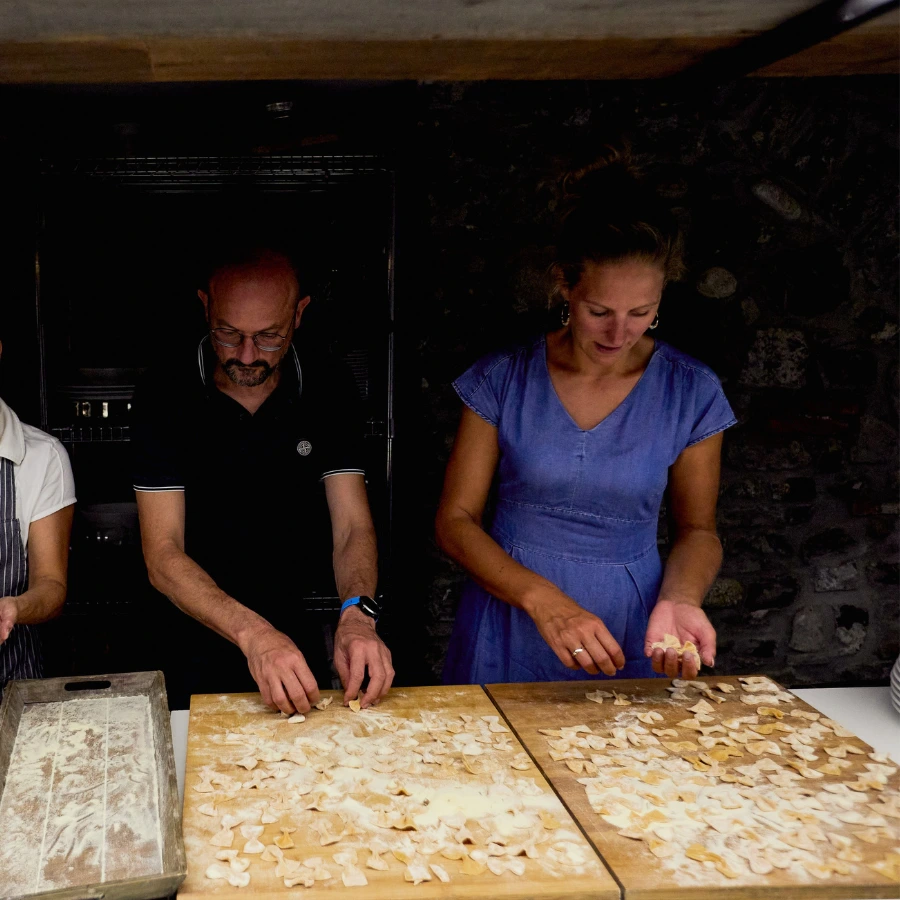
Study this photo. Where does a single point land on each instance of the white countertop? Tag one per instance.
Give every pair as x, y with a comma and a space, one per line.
866, 711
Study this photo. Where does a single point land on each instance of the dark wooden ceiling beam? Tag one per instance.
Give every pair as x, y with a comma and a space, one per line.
871, 48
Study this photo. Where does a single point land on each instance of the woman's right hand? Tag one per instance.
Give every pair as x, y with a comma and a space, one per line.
566, 627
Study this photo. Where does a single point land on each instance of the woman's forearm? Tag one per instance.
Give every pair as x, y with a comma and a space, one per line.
42, 601
467, 543
692, 567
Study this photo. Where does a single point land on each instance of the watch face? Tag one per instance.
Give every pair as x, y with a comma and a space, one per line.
370, 607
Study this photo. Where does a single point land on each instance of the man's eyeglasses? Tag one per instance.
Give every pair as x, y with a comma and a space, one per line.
264, 340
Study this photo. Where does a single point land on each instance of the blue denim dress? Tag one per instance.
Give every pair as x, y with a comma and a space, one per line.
578, 507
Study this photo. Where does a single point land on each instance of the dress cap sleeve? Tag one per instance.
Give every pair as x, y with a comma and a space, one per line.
712, 412
481, 387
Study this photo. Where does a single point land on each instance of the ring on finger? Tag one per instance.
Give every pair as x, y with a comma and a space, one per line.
577, 650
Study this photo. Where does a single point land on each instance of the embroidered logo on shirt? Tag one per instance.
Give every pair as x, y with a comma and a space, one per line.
304, 448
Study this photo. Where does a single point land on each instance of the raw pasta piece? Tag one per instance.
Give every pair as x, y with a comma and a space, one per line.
272, 854
324, 703
768, 710
522, 762
296, 718
671, 642
307, 879
680, 746
248, 762
700, 707
208, 809
699, 853
621, 700
597, 696
235, 863
725, 688
353, 877
417, 874
284, 840
650, 718
225, 838
548, 820
268, 818
753, 699
440, 872
204, 787
714, 697
355, 706
376, 862
759, 687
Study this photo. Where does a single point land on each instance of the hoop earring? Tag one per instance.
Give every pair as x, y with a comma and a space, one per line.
565, 315
655, 321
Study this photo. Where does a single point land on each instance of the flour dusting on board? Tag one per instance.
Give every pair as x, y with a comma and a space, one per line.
80, 804
429, 795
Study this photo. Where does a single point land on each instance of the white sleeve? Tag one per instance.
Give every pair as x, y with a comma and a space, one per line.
58, 487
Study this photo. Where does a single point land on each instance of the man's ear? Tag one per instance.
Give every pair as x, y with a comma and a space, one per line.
204, 299
301, 305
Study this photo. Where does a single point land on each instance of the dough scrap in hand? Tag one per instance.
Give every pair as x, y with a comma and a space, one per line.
324, 703
354, 705
670, 642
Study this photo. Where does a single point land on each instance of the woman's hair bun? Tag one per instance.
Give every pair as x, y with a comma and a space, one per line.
609, 214
612, 166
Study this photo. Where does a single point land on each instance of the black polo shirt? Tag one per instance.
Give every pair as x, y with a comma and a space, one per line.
256, 518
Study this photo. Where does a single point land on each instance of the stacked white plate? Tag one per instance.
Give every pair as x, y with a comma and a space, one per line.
895, 685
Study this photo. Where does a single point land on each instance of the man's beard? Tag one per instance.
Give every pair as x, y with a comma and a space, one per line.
252, 375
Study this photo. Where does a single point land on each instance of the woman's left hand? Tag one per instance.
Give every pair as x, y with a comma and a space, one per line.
688, 623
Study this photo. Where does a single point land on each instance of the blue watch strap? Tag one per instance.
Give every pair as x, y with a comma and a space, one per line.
350, 601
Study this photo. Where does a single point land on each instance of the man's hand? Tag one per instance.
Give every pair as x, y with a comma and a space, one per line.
688, 623
567, 627
9, 614
280, 671
356, 648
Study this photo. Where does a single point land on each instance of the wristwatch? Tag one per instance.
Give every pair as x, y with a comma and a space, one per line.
366, 605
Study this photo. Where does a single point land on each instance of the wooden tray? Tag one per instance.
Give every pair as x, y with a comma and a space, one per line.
551, 705
213, 717
88, 796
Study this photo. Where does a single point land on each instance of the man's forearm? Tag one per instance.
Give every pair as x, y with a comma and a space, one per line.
356, 563
191, 589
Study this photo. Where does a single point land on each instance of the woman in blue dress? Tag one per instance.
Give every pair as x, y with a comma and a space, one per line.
585, 428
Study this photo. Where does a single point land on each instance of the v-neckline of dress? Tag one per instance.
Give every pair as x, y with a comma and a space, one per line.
614, 410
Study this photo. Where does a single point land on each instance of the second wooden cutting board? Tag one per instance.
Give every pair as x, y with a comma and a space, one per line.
643, 876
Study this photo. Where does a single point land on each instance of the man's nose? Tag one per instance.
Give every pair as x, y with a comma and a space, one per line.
247, 352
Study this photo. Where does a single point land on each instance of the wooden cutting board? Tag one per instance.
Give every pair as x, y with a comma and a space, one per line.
442, 785
642, 875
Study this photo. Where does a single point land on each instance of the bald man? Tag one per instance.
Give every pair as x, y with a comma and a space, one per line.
234, 448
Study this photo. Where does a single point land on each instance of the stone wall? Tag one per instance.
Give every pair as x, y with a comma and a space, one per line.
787, 191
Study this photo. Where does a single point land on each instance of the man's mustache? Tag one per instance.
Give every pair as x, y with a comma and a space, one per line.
257, 364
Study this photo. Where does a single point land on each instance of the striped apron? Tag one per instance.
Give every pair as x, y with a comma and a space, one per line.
20, 654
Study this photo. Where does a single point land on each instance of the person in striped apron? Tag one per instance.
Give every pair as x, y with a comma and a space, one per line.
37, 496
